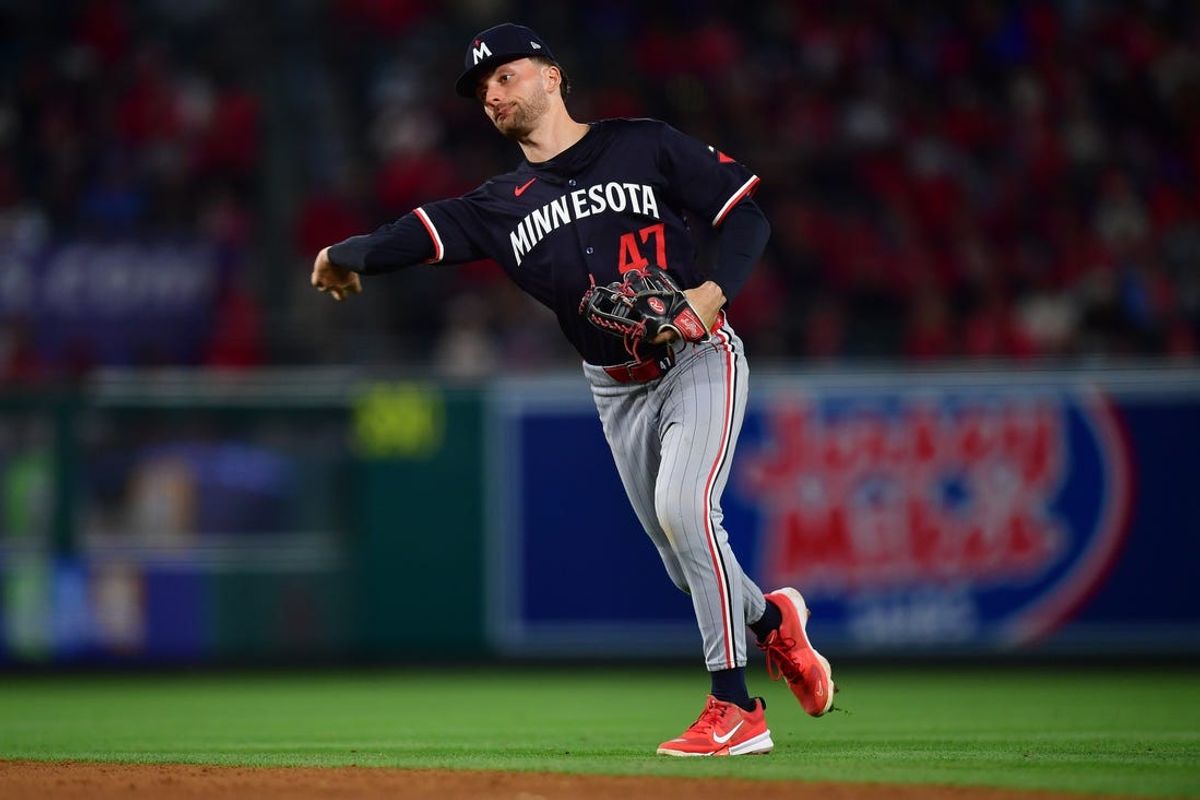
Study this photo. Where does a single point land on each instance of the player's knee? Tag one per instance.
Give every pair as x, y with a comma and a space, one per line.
677, 518
668, 518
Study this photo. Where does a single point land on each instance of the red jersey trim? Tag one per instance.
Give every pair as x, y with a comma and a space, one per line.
746, 190
438, 250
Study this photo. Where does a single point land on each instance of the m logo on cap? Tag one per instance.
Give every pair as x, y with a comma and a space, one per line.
496, 45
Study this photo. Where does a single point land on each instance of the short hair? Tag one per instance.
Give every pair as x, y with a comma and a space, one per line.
565, 85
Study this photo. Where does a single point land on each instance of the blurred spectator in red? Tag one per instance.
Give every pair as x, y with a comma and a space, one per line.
991, 179
330, 214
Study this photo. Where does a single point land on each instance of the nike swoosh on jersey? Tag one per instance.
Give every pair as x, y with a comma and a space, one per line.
521, 189
728, 736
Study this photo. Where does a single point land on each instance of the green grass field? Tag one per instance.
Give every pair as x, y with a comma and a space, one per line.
1112, 731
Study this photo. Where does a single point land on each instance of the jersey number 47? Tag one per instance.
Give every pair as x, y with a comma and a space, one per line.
630, 256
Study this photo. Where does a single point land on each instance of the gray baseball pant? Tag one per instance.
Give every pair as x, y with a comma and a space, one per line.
673, 440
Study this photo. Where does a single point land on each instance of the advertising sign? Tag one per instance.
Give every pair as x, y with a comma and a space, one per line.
945, 512
96, 301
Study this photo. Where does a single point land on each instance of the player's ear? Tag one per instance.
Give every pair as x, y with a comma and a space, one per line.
552, 75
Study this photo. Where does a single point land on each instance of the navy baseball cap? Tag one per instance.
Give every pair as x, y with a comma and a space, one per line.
494, 47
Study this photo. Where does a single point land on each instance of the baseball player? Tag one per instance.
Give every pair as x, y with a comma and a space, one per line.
593, 212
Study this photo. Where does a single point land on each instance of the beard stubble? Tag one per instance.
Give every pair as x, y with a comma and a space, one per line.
524, 116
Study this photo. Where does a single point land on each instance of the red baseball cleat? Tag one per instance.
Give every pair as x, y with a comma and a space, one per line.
790, 654
723, 729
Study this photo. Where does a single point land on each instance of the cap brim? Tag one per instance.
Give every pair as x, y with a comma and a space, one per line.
465, 86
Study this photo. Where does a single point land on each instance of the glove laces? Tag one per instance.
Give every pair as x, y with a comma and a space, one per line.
632, 333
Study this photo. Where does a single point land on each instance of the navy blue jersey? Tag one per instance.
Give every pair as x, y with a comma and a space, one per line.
611, 202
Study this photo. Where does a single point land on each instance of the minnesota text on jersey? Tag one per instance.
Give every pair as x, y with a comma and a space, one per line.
597, 199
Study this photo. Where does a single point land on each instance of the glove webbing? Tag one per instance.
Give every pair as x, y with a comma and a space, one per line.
631, 333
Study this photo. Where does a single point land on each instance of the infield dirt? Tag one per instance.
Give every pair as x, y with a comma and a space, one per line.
74, 780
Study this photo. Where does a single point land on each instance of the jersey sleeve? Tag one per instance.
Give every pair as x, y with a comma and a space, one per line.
456, 227
444, 232
707, 181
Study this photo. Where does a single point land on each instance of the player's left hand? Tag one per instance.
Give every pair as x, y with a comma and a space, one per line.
707, 300
329, 277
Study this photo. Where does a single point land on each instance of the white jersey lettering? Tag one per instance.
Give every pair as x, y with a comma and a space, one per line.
568, 208
649, 204
521, 240
541, 222
579, 203
633, 190
596, 193
614, 196
559, 213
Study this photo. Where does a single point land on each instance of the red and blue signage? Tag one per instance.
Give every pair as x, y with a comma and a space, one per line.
972, 512
944, 516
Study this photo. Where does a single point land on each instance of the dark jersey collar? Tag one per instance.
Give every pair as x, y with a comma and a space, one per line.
575, 157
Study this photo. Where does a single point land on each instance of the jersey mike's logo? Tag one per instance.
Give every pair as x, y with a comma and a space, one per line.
635, 197
480, 51
942, 517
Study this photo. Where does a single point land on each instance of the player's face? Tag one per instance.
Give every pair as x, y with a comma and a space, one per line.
515, 96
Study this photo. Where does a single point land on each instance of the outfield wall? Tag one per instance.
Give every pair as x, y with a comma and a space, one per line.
944, 512
290, 516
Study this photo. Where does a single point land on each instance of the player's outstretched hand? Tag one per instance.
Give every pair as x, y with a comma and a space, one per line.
329, 277
706, 300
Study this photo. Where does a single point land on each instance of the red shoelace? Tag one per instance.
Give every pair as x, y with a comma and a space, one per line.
778, 664
713, 713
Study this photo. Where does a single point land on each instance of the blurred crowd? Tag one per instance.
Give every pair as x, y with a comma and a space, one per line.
985, 179
125, 125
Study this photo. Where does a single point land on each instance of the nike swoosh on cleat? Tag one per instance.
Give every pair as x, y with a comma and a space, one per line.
728, 736
520, 190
